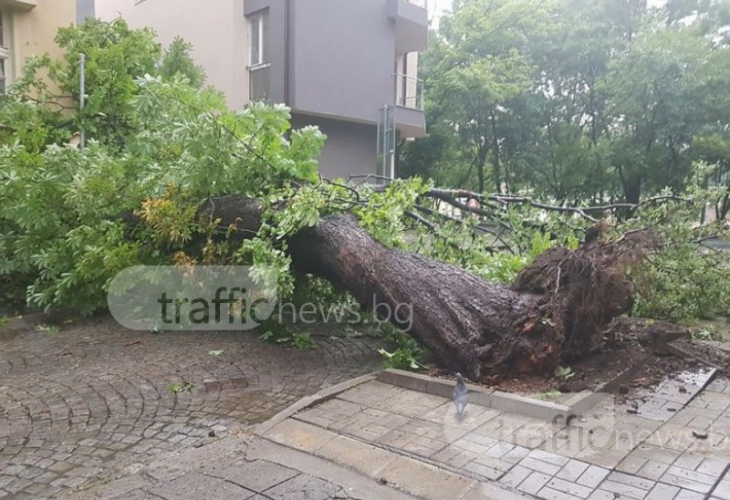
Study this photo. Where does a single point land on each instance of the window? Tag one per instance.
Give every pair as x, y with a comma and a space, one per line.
258, 56
258, 38
4, 51
2, 76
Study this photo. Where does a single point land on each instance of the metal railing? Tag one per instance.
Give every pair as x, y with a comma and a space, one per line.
259, 82
420, 3
409, 92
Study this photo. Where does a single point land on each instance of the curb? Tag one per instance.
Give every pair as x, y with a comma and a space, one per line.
307, 401
32, 320
502, 401
582, 404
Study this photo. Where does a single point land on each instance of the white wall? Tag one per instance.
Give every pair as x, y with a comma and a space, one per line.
216, 28
33, 31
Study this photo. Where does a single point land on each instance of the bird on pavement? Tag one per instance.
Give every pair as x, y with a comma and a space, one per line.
461, 395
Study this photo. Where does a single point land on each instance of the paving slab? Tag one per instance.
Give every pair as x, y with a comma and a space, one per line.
362, 439
260, 469
606, 453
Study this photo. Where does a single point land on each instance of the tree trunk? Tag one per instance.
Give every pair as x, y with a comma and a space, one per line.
555, 311
496, 169
462, 319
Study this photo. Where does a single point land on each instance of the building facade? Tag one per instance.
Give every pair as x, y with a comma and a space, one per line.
28, 28
346, 66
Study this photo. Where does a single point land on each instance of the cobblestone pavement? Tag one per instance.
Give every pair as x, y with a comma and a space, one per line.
78, 405
610, 453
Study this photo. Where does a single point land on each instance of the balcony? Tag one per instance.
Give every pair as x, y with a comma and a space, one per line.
410, 101
259, 82
19, 4
411, 24
409, 92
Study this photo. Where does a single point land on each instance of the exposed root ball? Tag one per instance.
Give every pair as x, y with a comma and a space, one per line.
582, 291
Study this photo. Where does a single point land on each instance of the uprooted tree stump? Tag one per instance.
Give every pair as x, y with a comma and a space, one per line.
557, 309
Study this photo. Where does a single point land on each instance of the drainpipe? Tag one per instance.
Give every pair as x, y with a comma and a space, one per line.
82, 95
287, 50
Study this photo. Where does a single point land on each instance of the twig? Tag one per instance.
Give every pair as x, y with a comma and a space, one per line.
352, 190
543, 206
367, 177
505, 199
432, 212
431, 227
461, 222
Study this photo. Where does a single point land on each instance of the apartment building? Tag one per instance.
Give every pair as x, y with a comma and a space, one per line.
27, 28
347, 66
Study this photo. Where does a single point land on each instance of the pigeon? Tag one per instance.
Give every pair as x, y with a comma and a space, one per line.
461, 395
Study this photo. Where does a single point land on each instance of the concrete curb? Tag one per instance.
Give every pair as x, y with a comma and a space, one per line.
512, 403
312, 400
405, 472
591, 399
502, 401
681, 353
32, 320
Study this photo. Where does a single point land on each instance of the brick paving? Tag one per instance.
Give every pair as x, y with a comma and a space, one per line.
80, 405
609, 454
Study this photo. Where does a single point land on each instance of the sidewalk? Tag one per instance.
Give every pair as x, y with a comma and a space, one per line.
241, 468
370, 440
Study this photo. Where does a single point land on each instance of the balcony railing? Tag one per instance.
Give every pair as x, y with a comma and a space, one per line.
409, 92
259, 82
419, 3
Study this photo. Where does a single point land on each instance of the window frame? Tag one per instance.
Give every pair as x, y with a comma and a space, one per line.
3, 34
5, 51
261, 19
3, 75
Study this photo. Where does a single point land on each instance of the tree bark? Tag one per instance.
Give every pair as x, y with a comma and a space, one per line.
555, 311
465, 321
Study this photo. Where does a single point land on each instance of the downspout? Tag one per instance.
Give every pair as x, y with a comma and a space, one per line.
287, 50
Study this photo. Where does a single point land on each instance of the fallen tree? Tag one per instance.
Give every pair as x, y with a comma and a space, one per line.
500, 287
556, 310
472, 325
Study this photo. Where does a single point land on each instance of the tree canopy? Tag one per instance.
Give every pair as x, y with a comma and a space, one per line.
577, 101
158, 146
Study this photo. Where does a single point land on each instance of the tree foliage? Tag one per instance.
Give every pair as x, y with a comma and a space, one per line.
162, 150
576, 101
157, 148
177, 62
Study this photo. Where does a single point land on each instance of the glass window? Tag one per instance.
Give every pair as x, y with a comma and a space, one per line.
2, 29
258, 38
2, 76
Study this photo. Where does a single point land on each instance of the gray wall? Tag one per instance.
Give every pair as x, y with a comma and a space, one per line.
84, 9
350, 147
343, 57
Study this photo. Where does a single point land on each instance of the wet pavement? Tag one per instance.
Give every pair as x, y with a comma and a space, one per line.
93, 399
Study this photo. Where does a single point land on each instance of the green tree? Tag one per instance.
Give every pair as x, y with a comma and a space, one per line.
575, 101
115, 56
656, 89
478, 69
156, 148
178, 62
